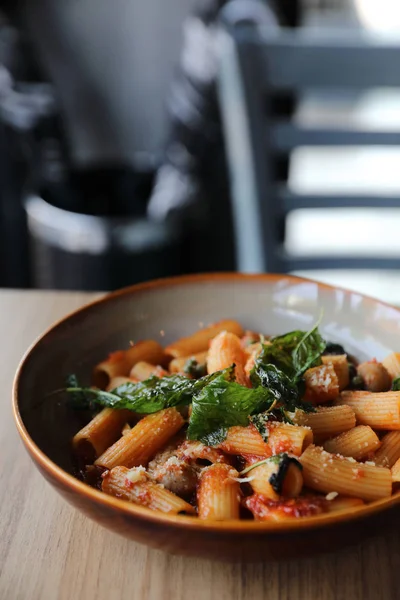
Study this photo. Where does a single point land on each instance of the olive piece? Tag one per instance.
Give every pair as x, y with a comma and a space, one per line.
332, 348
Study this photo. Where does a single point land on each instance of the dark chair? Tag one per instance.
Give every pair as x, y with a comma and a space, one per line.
256, 66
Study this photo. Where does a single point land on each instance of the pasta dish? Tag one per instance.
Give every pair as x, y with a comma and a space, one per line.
231, 424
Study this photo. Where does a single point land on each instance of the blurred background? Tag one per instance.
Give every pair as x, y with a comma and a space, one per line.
113, 167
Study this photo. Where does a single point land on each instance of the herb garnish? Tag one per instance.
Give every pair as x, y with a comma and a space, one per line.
260, 422
396, 384
145, 397
280, 368
222, 404
194, 368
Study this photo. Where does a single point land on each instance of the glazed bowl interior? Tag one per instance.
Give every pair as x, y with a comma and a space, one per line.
166, 310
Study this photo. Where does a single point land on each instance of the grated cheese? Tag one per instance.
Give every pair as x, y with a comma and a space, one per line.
243, 479
331, 495
136, 475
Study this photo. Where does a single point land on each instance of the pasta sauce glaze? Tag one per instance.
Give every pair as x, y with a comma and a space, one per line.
264, 509
284, 444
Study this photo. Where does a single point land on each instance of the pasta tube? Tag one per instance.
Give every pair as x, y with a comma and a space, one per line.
134, 486
177, 365
102, 431
322, 384
396, 471
245, 441
140, 444
327, 472
218, 493
341, 366
326, 421
288, 438
392, 364
226, 350
358, 443
277, 476
121, 362
143, 370
380, 410
389, 451
117, 381
198, 342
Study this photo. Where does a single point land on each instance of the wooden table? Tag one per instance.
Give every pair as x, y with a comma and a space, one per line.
50, 551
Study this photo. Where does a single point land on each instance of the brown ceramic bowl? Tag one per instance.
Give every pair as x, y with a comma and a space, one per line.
165, 310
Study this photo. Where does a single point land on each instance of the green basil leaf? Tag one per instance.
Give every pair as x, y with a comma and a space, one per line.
308, 352
281, 365
145, 397
222, 404
396, 384
194, 368
283, 388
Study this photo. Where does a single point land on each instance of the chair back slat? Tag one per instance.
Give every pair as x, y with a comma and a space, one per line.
289, 200
303, 263
285, 136
294, 60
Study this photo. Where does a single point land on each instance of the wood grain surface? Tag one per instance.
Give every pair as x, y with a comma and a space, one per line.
48, 550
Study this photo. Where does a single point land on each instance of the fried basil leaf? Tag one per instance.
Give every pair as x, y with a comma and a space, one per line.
145, 397
281, 365
308, 351
194, 368
222, 404
396, 384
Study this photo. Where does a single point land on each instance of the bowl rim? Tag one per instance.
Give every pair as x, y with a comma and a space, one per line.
75, 486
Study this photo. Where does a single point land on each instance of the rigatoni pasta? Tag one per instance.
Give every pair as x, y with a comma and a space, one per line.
322, 384
245, 441
341, 366
224, 425
119, 380
327, 421
392, 364
218, 494
177, 365
198, 342
396, 471
389, 451
378, 410
102, 431
358, 443
134, 486
119, 364
142, 370
142, 441
284, 437
275, 477
226, 350
326, 472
